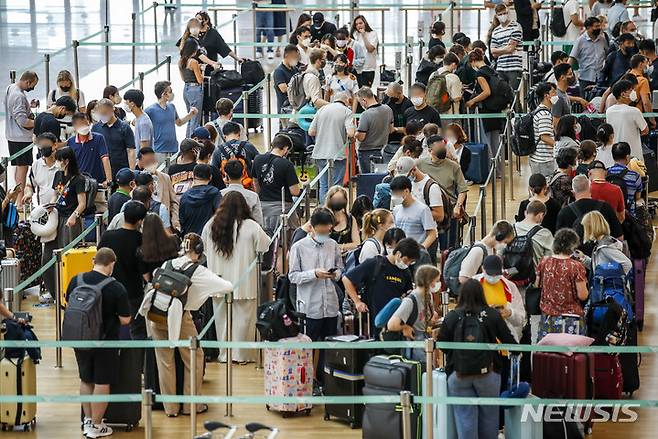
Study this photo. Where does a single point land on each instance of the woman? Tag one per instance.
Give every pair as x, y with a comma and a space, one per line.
204, 284
190, 71
346, 229
606, 137
563, 282
606, 248
158, 245
362, 205
112, 93
470, 378
328, 44
456, 136
375, 226
586, 155
213, 43
437, 31
342, 81
428, 282
364, 36
91, 112
566, 131
70, 201
343, 45
65, 86
391, 239
539, 191
560, 183
304, 21
233, 240
430, 63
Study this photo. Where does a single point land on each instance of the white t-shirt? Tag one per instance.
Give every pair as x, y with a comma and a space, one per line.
573, 31
473, 261
369, 249
41, 178
338, 85
627, 122
371, 57
59, 93
330, 124
303, 55
604, 154
417, 188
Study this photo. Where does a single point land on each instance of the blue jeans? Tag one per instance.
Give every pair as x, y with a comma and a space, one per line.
364, 159
475, 421
265, 25
193, 97
338, 173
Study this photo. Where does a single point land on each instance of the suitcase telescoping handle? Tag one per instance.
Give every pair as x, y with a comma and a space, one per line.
575, 317
367, 313
515, 369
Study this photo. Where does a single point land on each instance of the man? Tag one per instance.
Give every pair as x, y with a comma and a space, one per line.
304, 44
181, 173
558, 57
618, 62
542, 161
164, 118
19, 124
199, 203
626, 120
126, 181
589, 51
233, 147
273, 175
621, 153
506, 48
648, 48
99, 369
332, 125
501, 234
398, 103
603, 190
375, 124
141, 194
640, 65
321, 27
617, 13
90, 150
454, 84
163, 189
420, 111
422, 184
48, 121
565, 77
39, 185
573, 213
311, 81
125, 242
283, 74
154, 205
134, 100
119, 138
233, 170
224, 107
542, 240
411, 215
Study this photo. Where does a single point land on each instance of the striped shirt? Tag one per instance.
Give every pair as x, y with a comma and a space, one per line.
543, 124
501, 37
633, 182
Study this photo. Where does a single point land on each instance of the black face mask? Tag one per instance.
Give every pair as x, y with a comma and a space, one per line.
339, 68
323, 65
46, 151
440, 153
571, 80
65, 89
596, 32
29, 89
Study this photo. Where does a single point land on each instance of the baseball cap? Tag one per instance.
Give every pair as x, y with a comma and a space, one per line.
187, 145
492, 265
201, 133
597, 164
318, 17
125, 176
404, 165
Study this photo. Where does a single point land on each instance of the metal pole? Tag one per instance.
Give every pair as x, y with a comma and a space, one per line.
428, 411
410, 61
256, 32
268, 97
352, 11
194, 345
383, 33
12, 77
46, 61
235, 37
307, 203
502, 162
259, 300
9, 298
284, 242
76, 62
141, 81
479, 24
405, 402
155, 31
106, 32
5, 165
421, 45
245, 110
452, 20
214, 16
147, 402
473, 220
510, 156
350, 169
330, 173
229, 352
58, 305
483, 211
99, 228
494, 197
133, 49
406, 33
168, 68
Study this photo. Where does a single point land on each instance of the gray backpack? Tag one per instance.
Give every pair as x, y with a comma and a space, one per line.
296, 95
83, 318
453, 265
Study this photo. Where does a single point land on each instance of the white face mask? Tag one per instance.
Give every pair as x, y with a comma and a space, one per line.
577, 128
633, 96
451, 140
417, 101
306, 42
195, 31
492, 280
500, 248
171, 97
94, 116
321, 239
104, 119
554, 99
83, 130
435, 288
401, 265
341, 43
59, 165
503, 18
389, 250
396, 199
151, 168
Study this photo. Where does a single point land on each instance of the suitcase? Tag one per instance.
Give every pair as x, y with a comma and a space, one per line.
478, 169
516, 427
217, 85
28, 250
442, 415
365, 184
74, 262
630, 363
254, 106
389, 375
639, 277
289, 372
18, 377
555, 375
608, 380
126, 414
204, 314
10, 277
652, 168
560, 428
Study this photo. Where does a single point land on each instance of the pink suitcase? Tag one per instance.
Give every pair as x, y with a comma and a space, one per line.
639, 270
289, 372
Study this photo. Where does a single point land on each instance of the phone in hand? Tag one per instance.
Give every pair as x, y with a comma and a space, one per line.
17, 187
332, 270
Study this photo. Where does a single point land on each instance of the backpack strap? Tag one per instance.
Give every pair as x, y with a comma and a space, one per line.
377, 244
623, 173
189, 269
378, 268
426, 191
576, 211
413, 317
241, 148
533, 231
104, 283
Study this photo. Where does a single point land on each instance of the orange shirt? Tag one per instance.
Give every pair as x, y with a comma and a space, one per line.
643, 89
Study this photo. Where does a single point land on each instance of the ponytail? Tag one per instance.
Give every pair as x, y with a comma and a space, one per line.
372, 220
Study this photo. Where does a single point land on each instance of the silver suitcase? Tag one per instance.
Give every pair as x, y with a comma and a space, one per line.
10, 276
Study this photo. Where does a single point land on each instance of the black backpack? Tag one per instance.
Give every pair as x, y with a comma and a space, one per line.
252, 72
523, 141
636, 237
470, 329
557, 24
618, 180
276, 320
519, 255
502, 94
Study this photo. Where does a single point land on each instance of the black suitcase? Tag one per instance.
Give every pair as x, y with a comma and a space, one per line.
652, 168
254, 106
127, 414
389, 376
201, 319
630, 362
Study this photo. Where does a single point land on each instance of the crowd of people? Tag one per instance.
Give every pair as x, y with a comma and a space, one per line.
218, 202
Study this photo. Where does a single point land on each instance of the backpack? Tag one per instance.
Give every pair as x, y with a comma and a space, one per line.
606, 322
296, 94
502, 94
169, 283
557, 25
523, 141
639, 244
252, 72
383, 316
454, 264
14, 331
609, 280
588, 127
227, 155
618, 180
276, 320
352, 259
83, 318
437, 92
519, 254
382, 197
91, 190
469, 330
447, 201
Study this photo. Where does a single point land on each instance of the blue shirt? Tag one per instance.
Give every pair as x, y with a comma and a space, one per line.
119, 138
633, 184
590, 54
416, 220
143, 130
617, 13
164, 127
90, 154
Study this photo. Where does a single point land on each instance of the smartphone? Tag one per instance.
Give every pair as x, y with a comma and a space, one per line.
18, 186
332, 270
512, 271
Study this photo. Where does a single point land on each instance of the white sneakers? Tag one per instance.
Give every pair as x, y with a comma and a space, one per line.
93, 431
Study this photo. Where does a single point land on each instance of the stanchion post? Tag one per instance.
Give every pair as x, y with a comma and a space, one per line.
168, 68
473, 221
452, 18
8, 296
483, 212
502, 162
421, 45
494, 184
106, 38
245, 109
155, 32
510, 156
141, 81
46, 62
12, 76
479, 23
268, 100
99, 228
350, 169
133, 49
307, 203
194, 345
284, 242
76, 62
406, 32
58, 305
259, 300
428, 411
409, 61
383, 33
214, 16
5, 165
257, 32
235, 38
405, 403
229, 352
147, 402
330, 174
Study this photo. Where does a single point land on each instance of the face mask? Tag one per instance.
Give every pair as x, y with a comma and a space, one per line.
30, 88
171, 97
323, 65
596, 33
503, 18
500, 248
401, 265
492, 280
194, 31
577, 128
337, 205
151, 168
389, 250
321, 239
339, 68
341, 43
440, 153
633, 96
648, 70
94, 116
571, 80
294, 63
83, 130
46, 151
396, 199
435, 288
554, 99
306, 42
634, 33
104, 119
127, 108
65, 88
417, 101
451, 140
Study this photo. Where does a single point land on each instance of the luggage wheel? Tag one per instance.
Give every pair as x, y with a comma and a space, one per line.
354, 425
326, 417
286, 415
129, 427
308, 412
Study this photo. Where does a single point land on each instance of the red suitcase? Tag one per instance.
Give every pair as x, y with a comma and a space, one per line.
608, 379
639, 274
556, 375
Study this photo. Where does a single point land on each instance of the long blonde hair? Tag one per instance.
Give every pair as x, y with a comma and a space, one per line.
595, 226
372, 221
66, 76
425, 276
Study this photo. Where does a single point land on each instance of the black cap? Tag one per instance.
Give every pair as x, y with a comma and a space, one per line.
492, 265
318, 17
187, 145
597, 164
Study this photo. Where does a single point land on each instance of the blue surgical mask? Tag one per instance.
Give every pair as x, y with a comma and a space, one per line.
492, 280
321, 239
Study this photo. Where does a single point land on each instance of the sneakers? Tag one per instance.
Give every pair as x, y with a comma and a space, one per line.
45, 298
100, 430
87, 424
270, 55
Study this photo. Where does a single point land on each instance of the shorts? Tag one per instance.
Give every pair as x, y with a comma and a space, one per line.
98, 366
320, 329
22, 160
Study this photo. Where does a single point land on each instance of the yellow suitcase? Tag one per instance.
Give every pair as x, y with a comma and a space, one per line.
74, 262
18, 377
